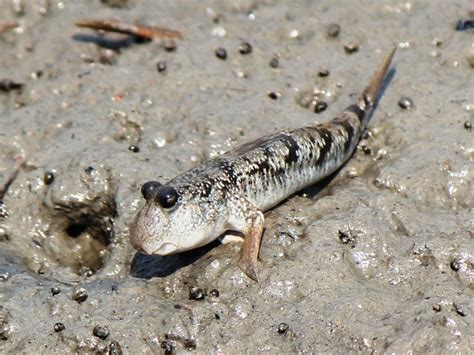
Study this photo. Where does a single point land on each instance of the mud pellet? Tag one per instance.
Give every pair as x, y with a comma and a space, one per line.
323, 73
245, 48
436, 307
214, 293
351, 48
48, 178
59, 327
274, 62
101, 331
7, 85
366, 150
273, 95
405, 103
197, 293
167, 347
344, 237
454, 264
55, 290
161, 66
320, 107
114, 348
80, 295
221, 53
170, 45
134, 148
283, 328
468, 125
333, 30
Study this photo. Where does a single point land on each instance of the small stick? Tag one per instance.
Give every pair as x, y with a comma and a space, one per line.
137, 30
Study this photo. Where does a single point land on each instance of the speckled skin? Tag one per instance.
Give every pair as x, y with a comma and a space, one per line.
230, 192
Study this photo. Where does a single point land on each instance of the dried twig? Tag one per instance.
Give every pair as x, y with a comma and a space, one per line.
137, 30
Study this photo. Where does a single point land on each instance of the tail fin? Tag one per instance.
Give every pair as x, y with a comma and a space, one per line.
370, 93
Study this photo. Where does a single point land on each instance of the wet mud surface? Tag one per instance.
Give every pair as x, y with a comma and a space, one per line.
380, 258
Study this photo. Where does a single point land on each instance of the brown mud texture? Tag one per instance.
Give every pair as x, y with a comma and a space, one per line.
379, 258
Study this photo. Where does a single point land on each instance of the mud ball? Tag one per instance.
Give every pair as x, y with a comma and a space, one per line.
454, 264
221, 53
167, 347
351, 48
80, 295
170, 45
333, 30
134, 148
274, 62
323, 73
197, 293
48, 178
59, 327
283, 328
273, 95
114, 348
101, 332
214, 293
245, 48
405, 103
320, 107
161, 66
55, 290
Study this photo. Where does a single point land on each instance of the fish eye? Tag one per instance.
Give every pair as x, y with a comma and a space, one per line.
149, 189
167, 196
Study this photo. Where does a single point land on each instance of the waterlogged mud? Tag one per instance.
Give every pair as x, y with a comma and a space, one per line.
379, 258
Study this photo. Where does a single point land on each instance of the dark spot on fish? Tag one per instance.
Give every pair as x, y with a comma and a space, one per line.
293, 148
228, 170
326, 144
350, 134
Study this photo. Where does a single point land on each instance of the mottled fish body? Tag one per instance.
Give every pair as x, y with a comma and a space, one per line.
230, 192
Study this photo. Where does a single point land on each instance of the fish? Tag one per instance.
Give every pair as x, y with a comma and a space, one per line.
226, 197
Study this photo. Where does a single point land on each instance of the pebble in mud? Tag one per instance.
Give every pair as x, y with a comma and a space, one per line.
436, 307
101, 331
197, 293
80, 295
221, 53
283, 328
59, 327
468, 125
214, 293
405, 103
333, 30
274, 62
48, 178
161, 66
459, 309
320, 107
167, 347
351, 48
245, 48
170, 45
114, 348
55, 290
134, 148
274, 95
454, 264
323, 73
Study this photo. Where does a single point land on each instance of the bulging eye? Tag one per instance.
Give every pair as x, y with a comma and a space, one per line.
149, 189
167, 196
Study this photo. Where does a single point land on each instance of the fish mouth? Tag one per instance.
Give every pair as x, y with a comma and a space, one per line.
166, 249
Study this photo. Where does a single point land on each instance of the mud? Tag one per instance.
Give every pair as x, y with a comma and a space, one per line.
380, 258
